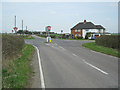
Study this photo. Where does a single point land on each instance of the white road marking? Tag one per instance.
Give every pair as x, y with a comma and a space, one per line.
61, 47
40, 68
95, 67
55, 43
74, 54
48, 44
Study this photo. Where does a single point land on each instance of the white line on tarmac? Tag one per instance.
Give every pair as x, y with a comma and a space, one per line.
55, 43
74, 54
95, 67
40, 68
48, 44
61, 47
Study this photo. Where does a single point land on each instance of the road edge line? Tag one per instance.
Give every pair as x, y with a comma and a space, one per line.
40, 68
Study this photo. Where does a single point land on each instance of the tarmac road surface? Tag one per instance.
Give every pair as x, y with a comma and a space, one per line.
66, 64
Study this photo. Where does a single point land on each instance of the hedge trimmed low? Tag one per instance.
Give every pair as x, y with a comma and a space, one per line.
111, 41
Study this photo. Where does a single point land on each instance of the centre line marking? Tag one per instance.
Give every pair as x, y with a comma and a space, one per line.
95, 67
62, 47
40, 68
74, 54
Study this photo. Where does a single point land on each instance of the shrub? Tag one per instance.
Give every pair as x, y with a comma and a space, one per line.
109, 41
88, 34
43, 35
53, 36
11, 45
75, 37
79, 37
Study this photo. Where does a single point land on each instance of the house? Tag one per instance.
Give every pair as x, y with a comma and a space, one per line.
82, 28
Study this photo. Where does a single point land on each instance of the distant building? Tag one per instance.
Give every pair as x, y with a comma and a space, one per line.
82, 28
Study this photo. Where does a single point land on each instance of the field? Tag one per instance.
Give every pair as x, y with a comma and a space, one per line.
16, 68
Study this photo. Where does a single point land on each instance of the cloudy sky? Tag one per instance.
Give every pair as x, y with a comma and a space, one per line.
59, 15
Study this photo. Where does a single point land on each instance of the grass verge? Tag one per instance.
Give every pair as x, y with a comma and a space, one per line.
15, 73
28, 37
102, 49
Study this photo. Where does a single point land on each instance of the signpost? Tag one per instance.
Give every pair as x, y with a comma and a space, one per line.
47, 29
15, 29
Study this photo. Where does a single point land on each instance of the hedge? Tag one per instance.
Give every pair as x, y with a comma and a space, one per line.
111, 41
11, 45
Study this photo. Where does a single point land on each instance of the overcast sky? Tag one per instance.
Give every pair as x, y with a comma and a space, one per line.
59, 15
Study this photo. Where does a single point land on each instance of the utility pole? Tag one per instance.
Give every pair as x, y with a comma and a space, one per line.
15, 21
26, 27
22, 26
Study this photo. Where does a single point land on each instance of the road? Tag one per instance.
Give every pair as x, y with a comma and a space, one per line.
66, 64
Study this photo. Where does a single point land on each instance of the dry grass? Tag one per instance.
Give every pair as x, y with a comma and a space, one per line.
11, 46
16, 61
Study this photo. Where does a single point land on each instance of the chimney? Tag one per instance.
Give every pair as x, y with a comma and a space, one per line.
84, 21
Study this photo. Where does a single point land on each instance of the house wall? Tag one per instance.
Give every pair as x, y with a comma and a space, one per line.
79, 32
84, 31
72, 33
91, 30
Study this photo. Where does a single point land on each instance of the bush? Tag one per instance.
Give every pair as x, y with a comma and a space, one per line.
11, 45
75, 37
109, 41
53, 36
88, 34
43, 35
79, 37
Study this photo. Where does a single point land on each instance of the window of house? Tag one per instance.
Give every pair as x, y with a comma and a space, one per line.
87, 30
75, 34
78, 30
75, 30
79, 35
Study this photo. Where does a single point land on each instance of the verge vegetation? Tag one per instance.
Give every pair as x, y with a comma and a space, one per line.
102, 49
111, 41
16, 69
28, 37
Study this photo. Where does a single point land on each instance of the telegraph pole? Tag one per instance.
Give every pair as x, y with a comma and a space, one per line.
15, 21
26, 27
22, 26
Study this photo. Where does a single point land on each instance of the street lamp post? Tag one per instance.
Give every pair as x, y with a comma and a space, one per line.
61, 33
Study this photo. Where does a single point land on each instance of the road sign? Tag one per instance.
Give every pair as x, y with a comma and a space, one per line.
15, 29
48, 28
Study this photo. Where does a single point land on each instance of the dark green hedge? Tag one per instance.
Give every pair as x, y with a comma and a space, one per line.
111, 41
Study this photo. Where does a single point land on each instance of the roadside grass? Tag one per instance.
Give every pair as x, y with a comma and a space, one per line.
28, 37
16, 72
102, 49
